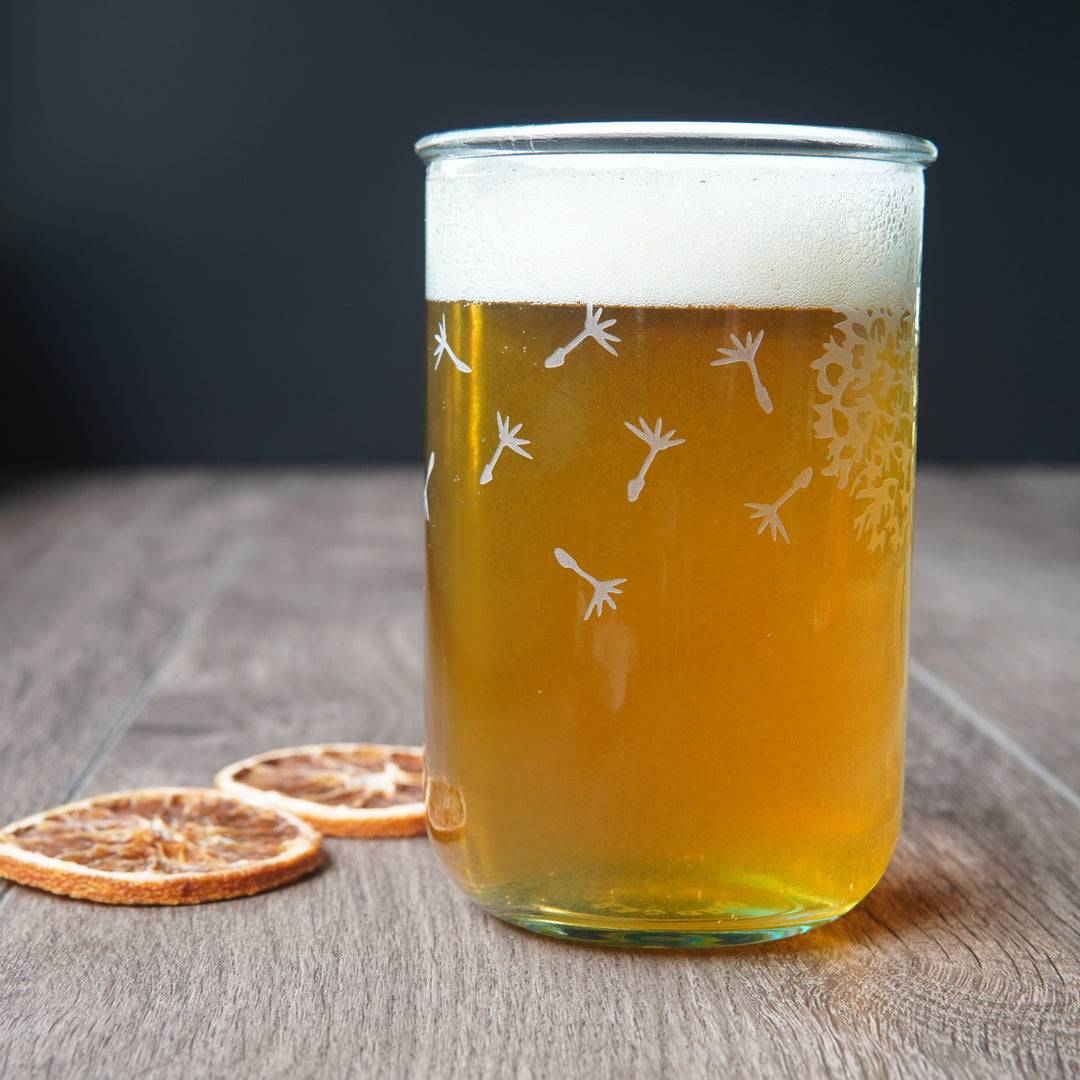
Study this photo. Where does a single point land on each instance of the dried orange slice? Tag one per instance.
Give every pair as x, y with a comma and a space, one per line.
158, 846
445, 809
343, 789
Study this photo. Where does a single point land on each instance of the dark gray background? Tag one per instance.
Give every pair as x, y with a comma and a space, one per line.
211, 217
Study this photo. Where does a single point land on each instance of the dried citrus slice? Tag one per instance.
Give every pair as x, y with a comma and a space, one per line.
445, 809
343, 789
158, 846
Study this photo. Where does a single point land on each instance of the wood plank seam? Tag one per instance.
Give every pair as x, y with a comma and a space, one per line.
982, 723
222, 580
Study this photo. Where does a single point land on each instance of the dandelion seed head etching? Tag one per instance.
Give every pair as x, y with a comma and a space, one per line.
656, 442
594, 329
867, 418
745, 352
443, 346
508, 439
602, 590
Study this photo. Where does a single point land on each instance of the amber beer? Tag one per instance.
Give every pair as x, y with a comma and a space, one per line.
670, 466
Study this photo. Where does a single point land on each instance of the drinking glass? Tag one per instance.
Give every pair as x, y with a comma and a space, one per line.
670, 455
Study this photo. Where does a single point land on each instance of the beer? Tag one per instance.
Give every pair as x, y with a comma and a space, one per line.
668, 562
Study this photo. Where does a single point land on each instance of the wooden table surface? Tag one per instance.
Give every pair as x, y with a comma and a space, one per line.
155, 626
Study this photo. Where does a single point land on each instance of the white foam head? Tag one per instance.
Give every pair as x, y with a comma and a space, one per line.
631, 229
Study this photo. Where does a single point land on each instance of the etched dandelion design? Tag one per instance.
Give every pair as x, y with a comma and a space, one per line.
745, 352
867, 417
602, 590
507, 439
443, 346
656, 443
770, 512
427, 480
594, 329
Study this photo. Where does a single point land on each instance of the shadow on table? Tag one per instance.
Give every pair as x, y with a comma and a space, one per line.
899, 905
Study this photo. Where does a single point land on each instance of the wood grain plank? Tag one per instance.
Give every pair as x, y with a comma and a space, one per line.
962, 964
97, 577
319, 640
996, 600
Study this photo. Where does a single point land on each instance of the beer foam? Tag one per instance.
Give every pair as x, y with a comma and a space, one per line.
702, 230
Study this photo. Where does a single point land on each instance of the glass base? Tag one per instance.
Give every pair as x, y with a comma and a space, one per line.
667, 906
642, 934
660, 939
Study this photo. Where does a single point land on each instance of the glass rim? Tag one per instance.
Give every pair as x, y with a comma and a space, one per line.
663, 137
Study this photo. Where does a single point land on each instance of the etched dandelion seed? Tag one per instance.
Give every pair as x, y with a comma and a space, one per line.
594, 329
602, 590
443, 346
427, 480
745, 352
656, 442
507, 439
770, 512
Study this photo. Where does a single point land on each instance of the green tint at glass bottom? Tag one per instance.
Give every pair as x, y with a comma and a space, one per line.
769, 916
652, 938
